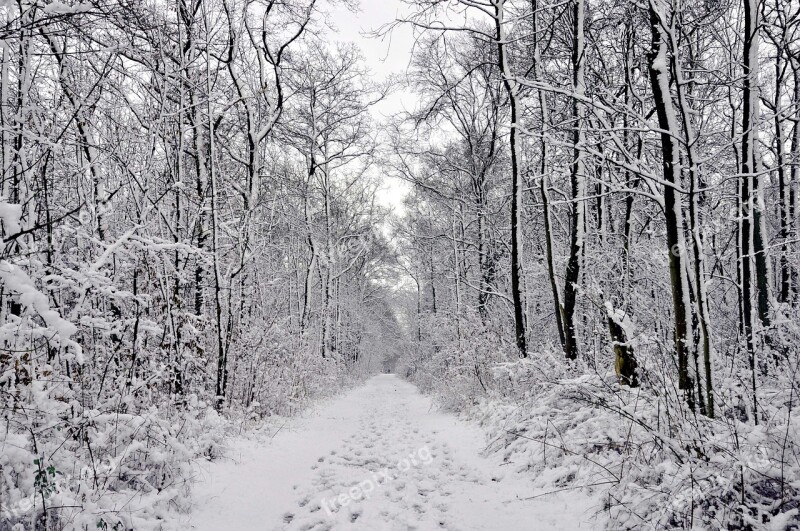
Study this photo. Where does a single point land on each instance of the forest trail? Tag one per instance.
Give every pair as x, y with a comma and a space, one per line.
378, 458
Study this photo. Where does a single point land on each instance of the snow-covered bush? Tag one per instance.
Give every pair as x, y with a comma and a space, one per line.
656, 465
457, 372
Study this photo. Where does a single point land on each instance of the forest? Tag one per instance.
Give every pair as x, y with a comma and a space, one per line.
597, 257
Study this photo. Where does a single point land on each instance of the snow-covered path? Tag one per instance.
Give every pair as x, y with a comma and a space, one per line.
378, 458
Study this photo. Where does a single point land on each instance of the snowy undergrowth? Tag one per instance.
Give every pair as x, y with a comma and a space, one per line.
104, 469
113, 470
656, 465
70, 461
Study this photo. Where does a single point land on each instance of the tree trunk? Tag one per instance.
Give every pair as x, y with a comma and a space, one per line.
785, 280
577, 183
682, 87
660, 82
516, 189
543, 180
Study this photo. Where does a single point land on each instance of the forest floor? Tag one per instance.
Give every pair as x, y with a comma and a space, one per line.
379, 458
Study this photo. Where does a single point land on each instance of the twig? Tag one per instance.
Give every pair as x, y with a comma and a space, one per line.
566, 488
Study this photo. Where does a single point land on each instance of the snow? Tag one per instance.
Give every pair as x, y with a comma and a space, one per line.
60, 8
622, 319
379, 457
14, 279
10, 215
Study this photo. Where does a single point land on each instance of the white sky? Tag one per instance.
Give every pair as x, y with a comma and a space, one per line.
386, 56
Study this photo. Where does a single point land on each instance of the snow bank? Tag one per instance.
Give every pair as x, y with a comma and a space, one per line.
655, 465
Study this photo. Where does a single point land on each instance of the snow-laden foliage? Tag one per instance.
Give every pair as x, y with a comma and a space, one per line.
108, 445
104, 468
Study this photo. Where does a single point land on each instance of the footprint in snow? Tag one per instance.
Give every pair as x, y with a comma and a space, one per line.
319, 525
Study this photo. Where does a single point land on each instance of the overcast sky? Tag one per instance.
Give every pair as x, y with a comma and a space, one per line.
386, 56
